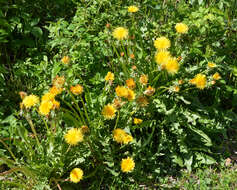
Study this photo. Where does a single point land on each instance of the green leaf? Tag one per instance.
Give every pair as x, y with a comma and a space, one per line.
188, 162
37, 32
55, 70
178, 160
205, 138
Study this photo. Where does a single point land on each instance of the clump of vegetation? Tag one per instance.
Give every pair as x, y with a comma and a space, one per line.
123, 94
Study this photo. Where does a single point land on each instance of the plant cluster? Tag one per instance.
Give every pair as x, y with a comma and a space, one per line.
125, 98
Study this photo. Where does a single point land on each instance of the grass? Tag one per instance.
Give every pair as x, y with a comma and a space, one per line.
224, 178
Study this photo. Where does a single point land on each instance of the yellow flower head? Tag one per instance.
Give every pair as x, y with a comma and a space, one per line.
45, 107
58, 81
176, 88
130, 83
216, 76
162, 57
73, 136
142, 101
162, 43
211, 65
85, 129
181, 28
30, 101
143, 79
120, 136
133, 9
78, 89
127, 164
22, 94
55, 91
109, 76
199, 80
127, 139
118, 103
137, 121
109, 111
47, 97
65, 59
149, 91
120, 33
180, 82
121, 91
56, 104
76, 175
172, 66
131, 95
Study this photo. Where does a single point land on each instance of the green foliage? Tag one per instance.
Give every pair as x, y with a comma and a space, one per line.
183, 126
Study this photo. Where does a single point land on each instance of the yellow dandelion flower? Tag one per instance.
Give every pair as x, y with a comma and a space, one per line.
78, 89
120, 33
176, 88
45, 107
211, 65
132, 56
130, 83
73, 136
127, 139
30, 101
142, 101
131, 95
134, 67
109, 111
179, 58
76, 175
137, 121
118, 135
118, 103
65, 59
180, 82
192, 81
199, 80
58, 81
85, 129
56, 104
127, 165
216, 76
172, 66
22, 94
121, 91
143, 79
55, 91
47, 97
181, 28
149, 91
162, 57
162, 43
133, 9
109, 76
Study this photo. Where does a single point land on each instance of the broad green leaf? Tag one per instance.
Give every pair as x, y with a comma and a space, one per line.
205, 138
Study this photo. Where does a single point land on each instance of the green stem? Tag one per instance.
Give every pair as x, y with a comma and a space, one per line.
78, 108
123, 47
116, 123
32, 128
68, 149
85, 110
76, 114
45, 123
9, 150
